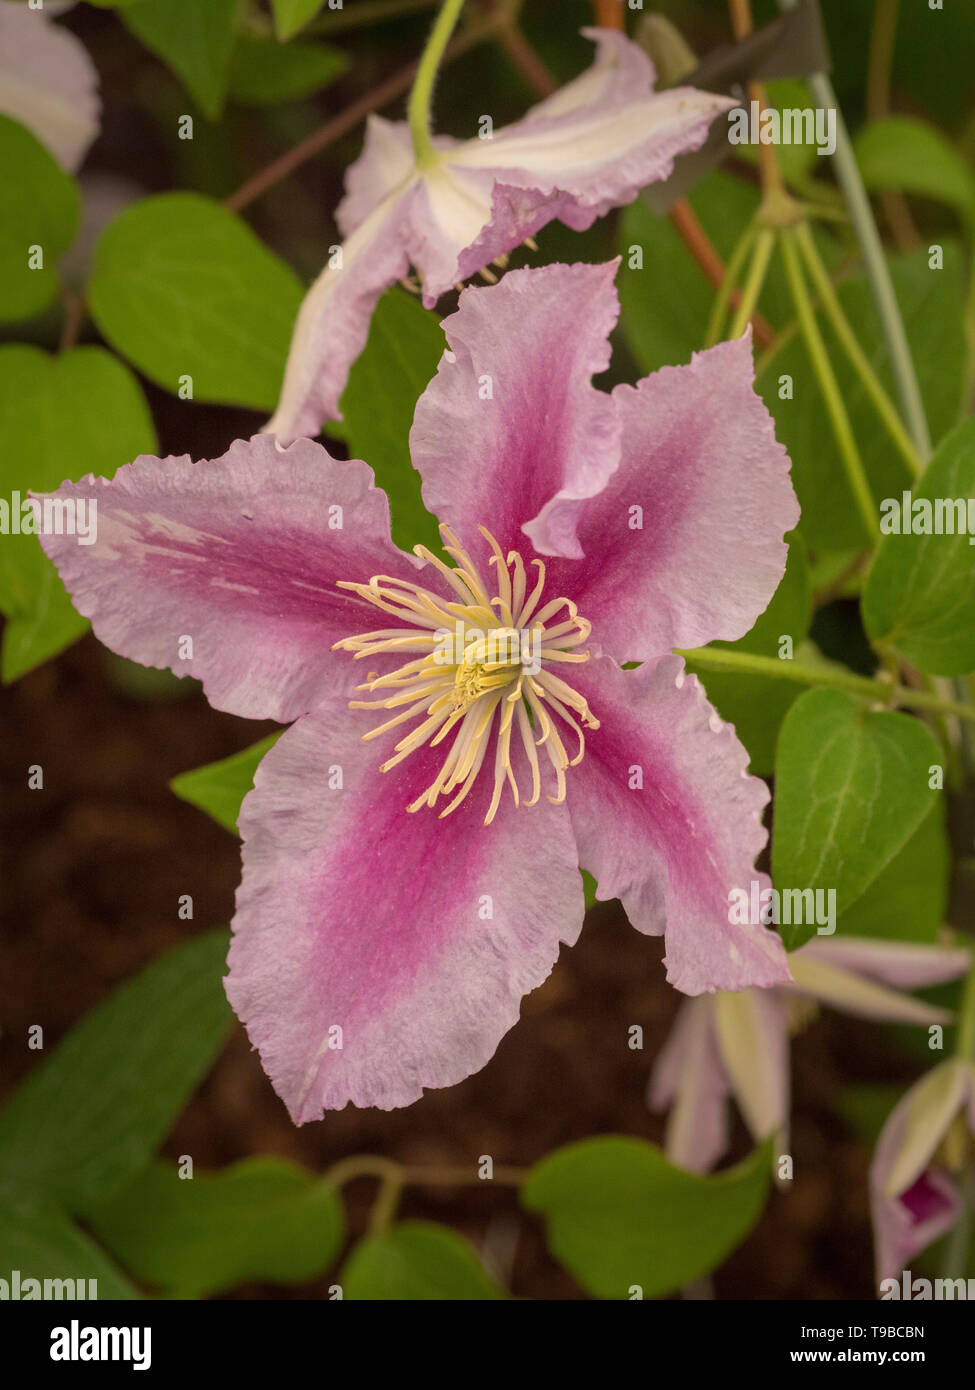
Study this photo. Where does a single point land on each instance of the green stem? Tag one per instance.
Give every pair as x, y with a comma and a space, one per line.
764, 244
832, 396
848, 340
884, 692
965, 1038
871, 248
388, 1170
956, 1254
421, 96
721, 300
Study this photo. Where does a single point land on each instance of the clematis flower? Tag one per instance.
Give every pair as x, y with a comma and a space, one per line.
738, 1044
48, 82
412, 843
922, 1149
588, 148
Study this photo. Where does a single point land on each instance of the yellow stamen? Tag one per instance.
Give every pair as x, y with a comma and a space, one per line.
482, 668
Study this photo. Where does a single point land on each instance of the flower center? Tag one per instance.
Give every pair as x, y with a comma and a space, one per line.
483, 668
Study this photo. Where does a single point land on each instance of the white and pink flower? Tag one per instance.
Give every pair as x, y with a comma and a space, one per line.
361, 907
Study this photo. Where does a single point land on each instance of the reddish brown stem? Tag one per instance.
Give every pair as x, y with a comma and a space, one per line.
395, 86
526, 60
609, 13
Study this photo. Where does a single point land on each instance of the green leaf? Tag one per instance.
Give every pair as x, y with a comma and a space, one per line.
619, 1214
907, 900
219, 788
81, 412
263, 72
904, 153
40, 1242
95, 1110
263, 1219
756, 705
182, 287
920, 595
415, 1261
851, 788
194, 38
292, 15
39, 632
405, 345
40, 209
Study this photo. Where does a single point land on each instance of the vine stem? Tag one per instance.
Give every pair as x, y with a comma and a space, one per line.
740, 12
879, 691
421, 96
848, 340
764, 245
376, 1166
393, 1177
320, 139
965, 1041
697, 241
722, 299
832, 396
74, 316
872, 251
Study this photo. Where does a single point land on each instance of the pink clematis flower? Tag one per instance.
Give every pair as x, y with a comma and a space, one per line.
588, 148
914, 1192
738, 1044
407, 884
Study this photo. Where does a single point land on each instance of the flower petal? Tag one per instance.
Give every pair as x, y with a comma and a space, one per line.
753, 1038
600, 158
916, 1127
384, 167
240, 555
903, 964
48, 83
689, 1079
621, 72
600, 139
828, 982
510, 433
906, 1225
912, 1204
693, 518
333, 320
667, 819
416, 936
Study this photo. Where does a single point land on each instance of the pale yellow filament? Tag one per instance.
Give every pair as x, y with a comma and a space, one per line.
467, 692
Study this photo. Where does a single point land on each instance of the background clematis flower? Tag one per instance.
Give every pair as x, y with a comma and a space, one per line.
48, 82
924, 1145
738, 1044
588, 148
412, 843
